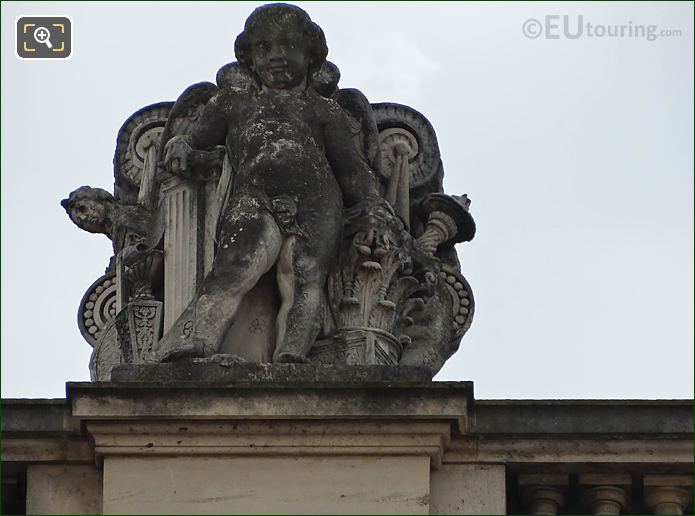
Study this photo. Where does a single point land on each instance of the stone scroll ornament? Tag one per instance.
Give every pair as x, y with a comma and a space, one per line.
238, 238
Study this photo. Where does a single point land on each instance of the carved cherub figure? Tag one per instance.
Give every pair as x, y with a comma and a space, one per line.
95, 210
295, 168
90, 209
358, 110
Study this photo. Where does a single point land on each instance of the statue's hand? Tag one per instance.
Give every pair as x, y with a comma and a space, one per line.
176, 155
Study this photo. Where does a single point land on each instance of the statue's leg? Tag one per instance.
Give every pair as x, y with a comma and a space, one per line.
302, 269
249, 244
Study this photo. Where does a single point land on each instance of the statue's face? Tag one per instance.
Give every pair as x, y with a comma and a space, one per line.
89, 215
280, 57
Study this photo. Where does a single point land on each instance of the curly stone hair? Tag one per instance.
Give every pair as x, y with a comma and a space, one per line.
282, 14
86, 192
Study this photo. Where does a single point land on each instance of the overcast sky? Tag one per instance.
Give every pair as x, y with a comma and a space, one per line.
577, 155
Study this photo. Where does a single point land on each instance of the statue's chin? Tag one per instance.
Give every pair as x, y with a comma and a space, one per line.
281, 82
90, 229
94, 229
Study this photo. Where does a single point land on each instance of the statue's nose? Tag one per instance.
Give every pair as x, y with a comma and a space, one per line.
277, 53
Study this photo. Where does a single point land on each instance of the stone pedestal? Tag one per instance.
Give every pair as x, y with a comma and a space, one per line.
240, 444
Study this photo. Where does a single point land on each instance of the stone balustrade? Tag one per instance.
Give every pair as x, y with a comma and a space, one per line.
400, 445
608, 492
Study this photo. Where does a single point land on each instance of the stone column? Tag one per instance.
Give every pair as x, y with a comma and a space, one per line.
605, 493
668, 494
543, 493
188, 242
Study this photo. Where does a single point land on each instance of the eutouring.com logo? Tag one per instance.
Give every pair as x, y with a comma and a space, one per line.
556, 26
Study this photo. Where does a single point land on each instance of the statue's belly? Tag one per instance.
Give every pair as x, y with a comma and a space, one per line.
282, 163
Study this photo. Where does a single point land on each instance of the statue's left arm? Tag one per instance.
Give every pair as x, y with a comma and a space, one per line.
357, 182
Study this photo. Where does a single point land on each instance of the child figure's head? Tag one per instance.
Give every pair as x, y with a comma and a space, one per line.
90, 209
281, 46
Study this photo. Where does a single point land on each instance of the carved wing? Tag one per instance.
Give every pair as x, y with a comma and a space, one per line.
362, 125
186, 111
233, 75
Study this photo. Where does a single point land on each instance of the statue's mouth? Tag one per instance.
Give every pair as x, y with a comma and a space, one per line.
279, 71
278, 68
93, 221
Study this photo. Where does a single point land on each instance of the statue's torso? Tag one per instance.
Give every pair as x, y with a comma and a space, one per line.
276, 143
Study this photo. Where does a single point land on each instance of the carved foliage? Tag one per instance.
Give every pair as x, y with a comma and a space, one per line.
375, 290
358, 347
374, 273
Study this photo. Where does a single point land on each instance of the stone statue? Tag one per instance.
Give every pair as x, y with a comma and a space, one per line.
95, 210
294, 168
275, 217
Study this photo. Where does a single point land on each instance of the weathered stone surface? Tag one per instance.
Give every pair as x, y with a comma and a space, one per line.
468, 489
40, 416
223, 370
277, 485
584, 416
172, 447
63, 489
330, 400
296, 222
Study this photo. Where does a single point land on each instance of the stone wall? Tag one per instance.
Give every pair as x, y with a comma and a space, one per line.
400, 447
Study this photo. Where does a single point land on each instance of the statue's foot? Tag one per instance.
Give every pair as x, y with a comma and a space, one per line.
287, 357
189, 349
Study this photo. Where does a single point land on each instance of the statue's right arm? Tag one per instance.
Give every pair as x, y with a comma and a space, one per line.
209, 130
211, 127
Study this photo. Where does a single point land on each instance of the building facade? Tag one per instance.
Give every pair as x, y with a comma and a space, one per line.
339, 447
